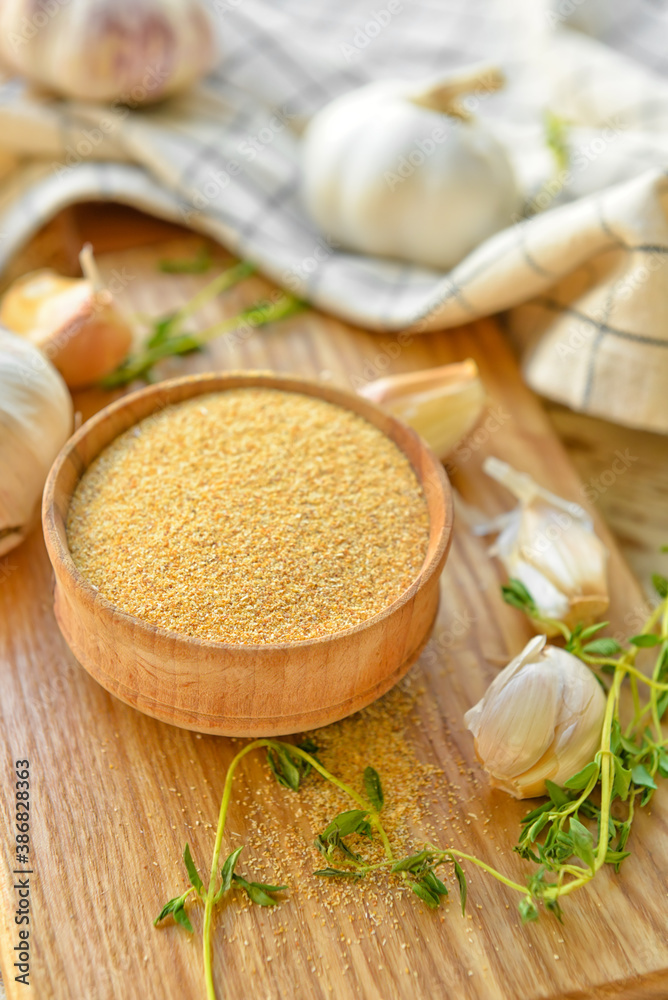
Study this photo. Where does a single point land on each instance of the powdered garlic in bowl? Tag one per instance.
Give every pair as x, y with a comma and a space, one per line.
246, 554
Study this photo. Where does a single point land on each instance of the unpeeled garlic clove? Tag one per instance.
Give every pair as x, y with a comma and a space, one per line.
549, 545
73, 321
541, 718
441, 404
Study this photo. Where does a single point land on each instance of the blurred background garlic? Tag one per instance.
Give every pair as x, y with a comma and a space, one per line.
130, 51
72, 320
441, 404
399, 171
35, 421
550, 546
541, 718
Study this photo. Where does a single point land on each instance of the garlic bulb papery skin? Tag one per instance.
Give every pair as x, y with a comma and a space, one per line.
73, 321
35, 421
541, 718
130, 51
398, 171
549, 545
441, 404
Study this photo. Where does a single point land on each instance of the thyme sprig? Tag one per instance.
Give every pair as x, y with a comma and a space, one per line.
568, 839
577, 821
169, 336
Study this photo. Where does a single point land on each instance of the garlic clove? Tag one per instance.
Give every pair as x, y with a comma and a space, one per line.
549, 544
36, 416
516, 731
72, 320
81, 332
441, 404
541, 718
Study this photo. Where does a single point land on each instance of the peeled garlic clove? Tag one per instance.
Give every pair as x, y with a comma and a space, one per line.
541, 718
441, 404
398, 170
72, 320
550, 546
108, 50
35, 421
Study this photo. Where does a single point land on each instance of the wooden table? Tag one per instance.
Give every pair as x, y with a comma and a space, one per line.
116, 794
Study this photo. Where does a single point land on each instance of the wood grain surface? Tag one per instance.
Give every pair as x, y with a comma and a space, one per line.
116, 794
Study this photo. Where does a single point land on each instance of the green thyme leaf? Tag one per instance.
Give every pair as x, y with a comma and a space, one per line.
290, 770
434, 884
227, 871
198, 264
583, 777
412, 863
284, 768
641, 776
530, 816
663, 763
425, 894
630, 746
461, 878
528, 910
162, 330
583, 842
193, 874
350, 821
517, 595
182, 918
556, 139
645, 640
175, 907
585, 633
374, 789
622, 779
616, 857
168, 908
556, 794
604, 646
257, 892
660, 584
309, 747
661, 706
536, 827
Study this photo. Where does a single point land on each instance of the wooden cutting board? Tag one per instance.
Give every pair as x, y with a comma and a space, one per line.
115, 795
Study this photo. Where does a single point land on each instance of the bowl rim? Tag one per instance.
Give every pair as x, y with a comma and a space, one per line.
55, 534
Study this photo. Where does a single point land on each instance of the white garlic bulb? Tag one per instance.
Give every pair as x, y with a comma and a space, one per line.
404, 172
130, 51
35, 421
540, 718
550, 546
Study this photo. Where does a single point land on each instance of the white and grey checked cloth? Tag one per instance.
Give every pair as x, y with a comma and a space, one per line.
583, 275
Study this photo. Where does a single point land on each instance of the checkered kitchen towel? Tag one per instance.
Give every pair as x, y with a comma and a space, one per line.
583, 275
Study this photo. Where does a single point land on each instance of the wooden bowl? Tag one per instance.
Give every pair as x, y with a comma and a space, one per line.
233, 689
